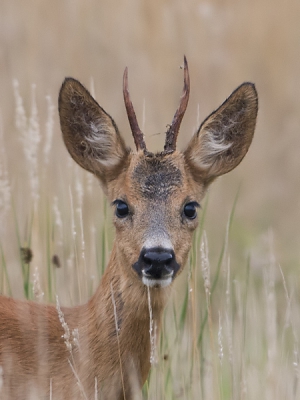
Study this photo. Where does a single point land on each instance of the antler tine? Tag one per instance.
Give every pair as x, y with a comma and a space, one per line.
136, 132
172, 133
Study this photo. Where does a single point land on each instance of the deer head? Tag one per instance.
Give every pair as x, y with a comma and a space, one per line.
156, 196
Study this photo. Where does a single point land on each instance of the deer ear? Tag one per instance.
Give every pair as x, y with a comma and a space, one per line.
223, 139
90, 134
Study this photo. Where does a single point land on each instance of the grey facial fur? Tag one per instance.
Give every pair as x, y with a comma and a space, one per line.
157, 178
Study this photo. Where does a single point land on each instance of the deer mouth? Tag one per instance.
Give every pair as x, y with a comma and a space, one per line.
148, 280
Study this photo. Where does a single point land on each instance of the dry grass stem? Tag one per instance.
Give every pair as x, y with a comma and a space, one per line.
49, 129
152, 331
38, 294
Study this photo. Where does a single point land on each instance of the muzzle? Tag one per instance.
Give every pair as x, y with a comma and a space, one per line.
156, 266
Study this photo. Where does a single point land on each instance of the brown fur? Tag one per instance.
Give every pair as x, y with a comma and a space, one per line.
113, 327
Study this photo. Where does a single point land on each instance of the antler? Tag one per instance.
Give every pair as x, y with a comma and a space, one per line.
136, 132
172, 133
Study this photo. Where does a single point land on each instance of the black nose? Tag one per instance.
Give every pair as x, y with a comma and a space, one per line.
154, 257
156, 263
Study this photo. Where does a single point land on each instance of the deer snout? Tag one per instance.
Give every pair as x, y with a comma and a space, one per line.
156, 266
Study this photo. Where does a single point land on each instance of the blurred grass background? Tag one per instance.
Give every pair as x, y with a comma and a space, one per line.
226, 43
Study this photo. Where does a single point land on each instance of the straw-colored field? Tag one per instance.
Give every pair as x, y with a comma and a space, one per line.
247, 348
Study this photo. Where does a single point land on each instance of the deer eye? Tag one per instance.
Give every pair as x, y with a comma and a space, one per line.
190, 210
122, 209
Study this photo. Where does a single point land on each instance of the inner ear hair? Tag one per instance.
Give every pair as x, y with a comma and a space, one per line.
89, 132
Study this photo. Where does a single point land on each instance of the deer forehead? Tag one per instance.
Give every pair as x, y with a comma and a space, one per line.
156, 178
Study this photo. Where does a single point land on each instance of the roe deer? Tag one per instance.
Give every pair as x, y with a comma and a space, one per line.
155, 198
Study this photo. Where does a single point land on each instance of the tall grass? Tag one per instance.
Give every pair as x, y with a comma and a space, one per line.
238, 341
231, 328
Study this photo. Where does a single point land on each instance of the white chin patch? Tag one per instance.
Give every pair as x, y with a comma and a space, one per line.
156, 282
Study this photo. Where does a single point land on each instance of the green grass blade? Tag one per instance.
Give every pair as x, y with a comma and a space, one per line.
4, 267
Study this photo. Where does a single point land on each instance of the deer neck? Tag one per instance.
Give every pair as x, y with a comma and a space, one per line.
126, 310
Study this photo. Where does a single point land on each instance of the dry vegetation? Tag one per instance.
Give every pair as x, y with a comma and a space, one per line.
241, 341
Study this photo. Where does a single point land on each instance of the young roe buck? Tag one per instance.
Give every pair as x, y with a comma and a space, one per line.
155, 197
